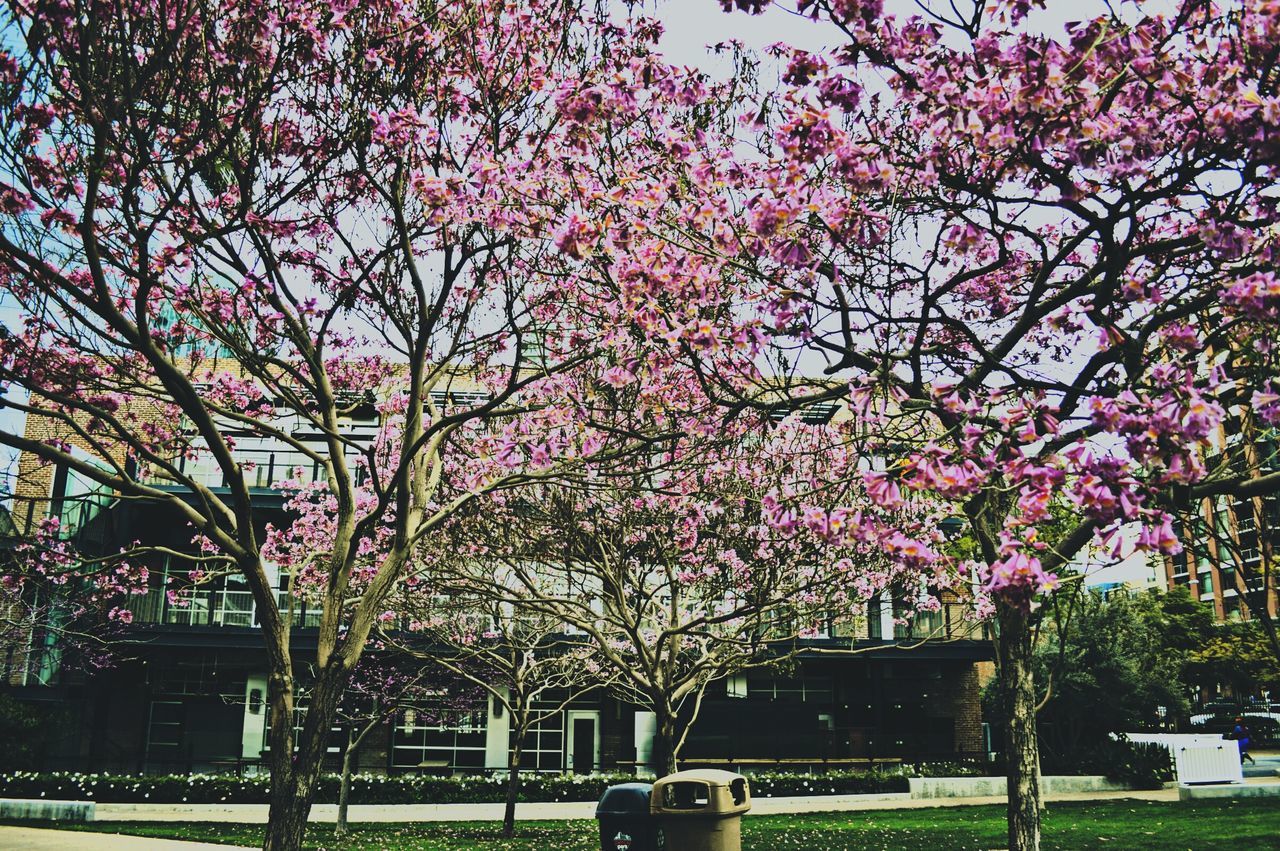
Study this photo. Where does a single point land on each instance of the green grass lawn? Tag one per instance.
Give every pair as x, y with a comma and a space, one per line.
1116, 825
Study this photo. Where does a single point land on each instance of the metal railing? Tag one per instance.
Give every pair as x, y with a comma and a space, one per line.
261, 468
947, 624
216, 606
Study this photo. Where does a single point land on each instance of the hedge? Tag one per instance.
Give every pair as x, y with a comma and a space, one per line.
420, 789
1139, 765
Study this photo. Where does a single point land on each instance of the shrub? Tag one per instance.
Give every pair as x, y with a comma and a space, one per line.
421, 789
780, 784
1139, 765
22, 731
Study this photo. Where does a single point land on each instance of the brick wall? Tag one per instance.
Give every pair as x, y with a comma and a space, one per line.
968, 709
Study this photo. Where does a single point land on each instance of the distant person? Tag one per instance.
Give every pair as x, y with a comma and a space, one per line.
1242, 735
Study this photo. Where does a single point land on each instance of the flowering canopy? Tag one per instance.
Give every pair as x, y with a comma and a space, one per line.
1038, 266
1041, 266
236, 229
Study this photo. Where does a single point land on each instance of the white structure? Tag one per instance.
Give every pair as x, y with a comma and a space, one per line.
646, 728
1198, 758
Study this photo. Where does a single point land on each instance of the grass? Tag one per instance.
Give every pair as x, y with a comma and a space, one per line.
1249, 823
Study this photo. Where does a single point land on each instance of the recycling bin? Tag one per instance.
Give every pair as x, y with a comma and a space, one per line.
625, 821
701, 810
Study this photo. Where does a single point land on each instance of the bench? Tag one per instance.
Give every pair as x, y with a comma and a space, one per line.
434, 766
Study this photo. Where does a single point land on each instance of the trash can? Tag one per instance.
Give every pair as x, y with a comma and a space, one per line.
625, 822
701, 810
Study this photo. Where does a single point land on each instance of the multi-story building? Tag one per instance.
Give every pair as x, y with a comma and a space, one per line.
1226, 561
188, 692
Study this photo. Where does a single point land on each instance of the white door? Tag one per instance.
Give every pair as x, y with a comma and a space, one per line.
582, 741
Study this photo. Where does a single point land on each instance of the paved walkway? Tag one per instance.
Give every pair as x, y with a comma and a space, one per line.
34, 839
257, 813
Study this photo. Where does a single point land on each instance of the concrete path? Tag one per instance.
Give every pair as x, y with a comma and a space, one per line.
257, 813
1265, 764
34, 839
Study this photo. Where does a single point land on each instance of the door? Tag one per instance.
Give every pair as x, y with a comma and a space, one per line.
584, 741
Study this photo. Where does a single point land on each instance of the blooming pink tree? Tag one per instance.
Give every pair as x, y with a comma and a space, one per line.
1040, 266
696, 565
382, 687
56, 600
292, 241
520, 657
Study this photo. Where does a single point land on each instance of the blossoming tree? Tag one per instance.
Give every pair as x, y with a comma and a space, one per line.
522, 658
1041, 264
238, 225
689, 569
382, 687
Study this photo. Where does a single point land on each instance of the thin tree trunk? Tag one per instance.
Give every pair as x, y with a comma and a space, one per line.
1022, 752
513, 785
344, 787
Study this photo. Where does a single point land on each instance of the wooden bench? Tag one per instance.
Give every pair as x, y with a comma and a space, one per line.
434, 766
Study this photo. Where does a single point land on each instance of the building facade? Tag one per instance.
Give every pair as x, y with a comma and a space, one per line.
188, 690
1228, 556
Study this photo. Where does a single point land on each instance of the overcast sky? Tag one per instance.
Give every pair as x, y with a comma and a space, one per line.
692, 26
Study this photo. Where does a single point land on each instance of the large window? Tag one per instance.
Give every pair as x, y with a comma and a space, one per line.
192, 716
806, 689
301, 702
435, 737
544, 745
225, 601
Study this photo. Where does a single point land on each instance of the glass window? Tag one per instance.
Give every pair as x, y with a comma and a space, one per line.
544, 745
803, 689
1231, 608
430, 736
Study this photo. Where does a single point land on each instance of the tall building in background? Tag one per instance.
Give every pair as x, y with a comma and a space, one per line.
1230, 546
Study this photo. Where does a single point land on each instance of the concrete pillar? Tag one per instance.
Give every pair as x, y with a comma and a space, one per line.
253, 736
497, 739
646, 729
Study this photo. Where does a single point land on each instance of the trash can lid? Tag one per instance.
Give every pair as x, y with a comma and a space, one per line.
625, 799
710, 776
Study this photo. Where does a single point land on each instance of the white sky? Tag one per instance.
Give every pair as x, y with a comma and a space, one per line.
691, 25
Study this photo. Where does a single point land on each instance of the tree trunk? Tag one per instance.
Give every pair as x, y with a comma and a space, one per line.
295, 772
1022, 753
513, 786
664, 744
344, 787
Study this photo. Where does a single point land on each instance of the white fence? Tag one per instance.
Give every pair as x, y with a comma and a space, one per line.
1198, 758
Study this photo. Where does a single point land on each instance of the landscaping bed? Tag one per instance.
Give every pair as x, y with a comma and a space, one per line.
420, 789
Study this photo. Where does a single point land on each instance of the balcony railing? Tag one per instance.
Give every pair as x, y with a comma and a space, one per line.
212, 607
261, 469
947, 624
